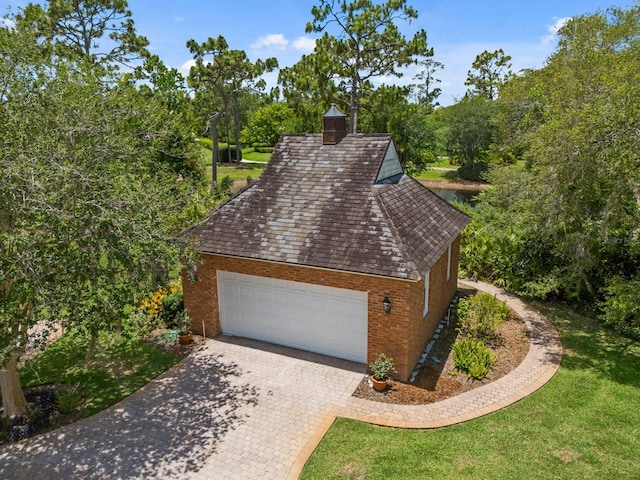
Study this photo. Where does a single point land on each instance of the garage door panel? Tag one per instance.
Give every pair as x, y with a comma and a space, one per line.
327, 320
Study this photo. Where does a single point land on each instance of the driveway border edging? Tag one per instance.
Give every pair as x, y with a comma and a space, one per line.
538, 367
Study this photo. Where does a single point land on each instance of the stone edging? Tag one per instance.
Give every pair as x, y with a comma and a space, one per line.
537, 368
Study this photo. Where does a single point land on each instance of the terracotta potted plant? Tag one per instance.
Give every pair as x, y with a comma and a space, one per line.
381, 367
185, 335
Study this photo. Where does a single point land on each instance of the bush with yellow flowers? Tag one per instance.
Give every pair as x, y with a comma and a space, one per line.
164, 304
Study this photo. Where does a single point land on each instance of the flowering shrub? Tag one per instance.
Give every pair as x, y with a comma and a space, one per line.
155, 305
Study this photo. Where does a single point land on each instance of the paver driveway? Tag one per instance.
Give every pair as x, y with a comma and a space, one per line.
234, 409
239, 409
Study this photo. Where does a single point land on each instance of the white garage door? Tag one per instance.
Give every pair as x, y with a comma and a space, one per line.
326, 320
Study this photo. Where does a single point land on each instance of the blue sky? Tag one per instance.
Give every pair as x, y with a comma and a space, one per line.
458, 30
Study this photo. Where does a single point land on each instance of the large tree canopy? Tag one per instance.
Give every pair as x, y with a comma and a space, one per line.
95, 180
367, 44
470, 133
268, 123
309, 88
98, 31
217, 78
573, 218
489, 71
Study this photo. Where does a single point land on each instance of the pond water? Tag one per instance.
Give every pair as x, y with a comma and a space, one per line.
452, 194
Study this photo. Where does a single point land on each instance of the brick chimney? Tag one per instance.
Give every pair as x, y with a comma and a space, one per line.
334, 126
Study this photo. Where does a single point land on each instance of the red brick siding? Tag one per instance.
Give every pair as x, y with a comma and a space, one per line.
441, 292
402, 334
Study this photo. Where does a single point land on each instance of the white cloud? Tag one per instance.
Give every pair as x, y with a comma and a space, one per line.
275, 41
186, 67
7, 22
179, 19
457, 59
552, 30
304, 44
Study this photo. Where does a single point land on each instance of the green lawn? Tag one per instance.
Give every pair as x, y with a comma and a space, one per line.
583, 424
236, 172
116, 371
249, 154
438, 175
443, 162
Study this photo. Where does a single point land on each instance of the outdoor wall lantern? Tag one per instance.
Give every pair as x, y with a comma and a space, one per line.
192, 273
386, 303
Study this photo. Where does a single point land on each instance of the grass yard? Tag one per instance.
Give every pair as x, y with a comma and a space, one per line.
118, 368
443, 162
249, 154
439, 175
236, 172
240, 171
583, 424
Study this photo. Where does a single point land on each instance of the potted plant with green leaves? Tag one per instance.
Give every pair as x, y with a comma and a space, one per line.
183, 321
381, 367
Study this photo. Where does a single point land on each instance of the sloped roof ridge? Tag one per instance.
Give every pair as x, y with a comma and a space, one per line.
215, 209
415, 273
438, 197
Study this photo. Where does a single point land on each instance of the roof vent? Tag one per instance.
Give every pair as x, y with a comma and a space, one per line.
334, 126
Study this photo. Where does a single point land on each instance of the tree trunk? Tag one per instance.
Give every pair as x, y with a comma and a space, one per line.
91, 349
355, 105
226, 127
159, 274
236, 125
215, 155
13, 400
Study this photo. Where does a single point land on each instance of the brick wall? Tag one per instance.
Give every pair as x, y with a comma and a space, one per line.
402, 334
441, 292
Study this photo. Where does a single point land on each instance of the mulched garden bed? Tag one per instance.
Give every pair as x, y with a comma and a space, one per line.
438, 379
43, 414
167, 340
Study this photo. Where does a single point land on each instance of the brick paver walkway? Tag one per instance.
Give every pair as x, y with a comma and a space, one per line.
243, 409
540, 364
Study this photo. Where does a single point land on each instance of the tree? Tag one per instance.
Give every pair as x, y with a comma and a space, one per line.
418, 140
470, 131
574, 213
521, 109
220, 79
386, 107
586, 149
488, 72
427, 91
309, 89
88, 206
268, 123
160, 79
368, 43
98, 31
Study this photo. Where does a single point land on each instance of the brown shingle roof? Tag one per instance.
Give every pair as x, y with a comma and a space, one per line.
317, 205
425, 223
